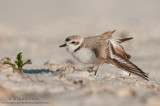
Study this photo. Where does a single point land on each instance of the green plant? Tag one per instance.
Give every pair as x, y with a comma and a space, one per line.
18, 65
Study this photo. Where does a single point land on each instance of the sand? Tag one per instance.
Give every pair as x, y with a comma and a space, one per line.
37, 28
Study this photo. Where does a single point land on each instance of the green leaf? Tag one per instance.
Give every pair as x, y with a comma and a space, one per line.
19, 63
19, 56
16, 63
27, 62
13, 65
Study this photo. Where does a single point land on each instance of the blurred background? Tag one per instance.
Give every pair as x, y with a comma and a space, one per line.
38, 27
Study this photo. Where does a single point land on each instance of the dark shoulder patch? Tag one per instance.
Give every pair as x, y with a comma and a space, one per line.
67, 39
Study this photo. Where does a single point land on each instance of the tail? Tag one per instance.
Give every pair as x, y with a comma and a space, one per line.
124, 64
124, 39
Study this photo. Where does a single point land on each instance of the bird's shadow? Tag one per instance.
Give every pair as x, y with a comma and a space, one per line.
37, 71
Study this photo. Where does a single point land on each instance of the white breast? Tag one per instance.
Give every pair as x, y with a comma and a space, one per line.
85, 55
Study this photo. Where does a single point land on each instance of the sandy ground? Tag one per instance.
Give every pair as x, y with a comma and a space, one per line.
38, 27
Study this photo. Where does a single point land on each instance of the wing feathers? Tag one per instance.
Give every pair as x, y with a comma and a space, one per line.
107, 34
129, 69
119, 49
123, 63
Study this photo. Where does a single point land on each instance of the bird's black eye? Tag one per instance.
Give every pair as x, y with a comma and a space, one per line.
73, 42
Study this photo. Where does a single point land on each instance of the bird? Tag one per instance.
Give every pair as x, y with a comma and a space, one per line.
102, 49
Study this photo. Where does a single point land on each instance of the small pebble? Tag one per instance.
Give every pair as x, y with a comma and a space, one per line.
126, 92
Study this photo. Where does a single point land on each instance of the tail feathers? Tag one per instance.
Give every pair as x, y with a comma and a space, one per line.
124, 39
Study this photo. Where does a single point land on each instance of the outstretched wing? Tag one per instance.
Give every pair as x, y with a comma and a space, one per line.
120, 62
116, 43
119, 49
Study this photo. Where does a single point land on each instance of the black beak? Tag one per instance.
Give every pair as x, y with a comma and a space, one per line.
64, 45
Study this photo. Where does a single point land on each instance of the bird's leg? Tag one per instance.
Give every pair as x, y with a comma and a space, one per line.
95, 68
129, 74
95, 72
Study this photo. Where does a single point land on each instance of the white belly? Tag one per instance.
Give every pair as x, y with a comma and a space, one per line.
86, 56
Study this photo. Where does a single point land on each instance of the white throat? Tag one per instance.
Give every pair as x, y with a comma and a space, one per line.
83, 55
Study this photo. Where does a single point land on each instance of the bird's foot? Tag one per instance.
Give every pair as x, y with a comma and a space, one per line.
94, 69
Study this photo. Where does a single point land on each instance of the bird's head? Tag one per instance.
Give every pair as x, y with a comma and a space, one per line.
72, 43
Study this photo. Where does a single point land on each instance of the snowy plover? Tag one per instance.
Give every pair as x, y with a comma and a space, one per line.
102, 49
